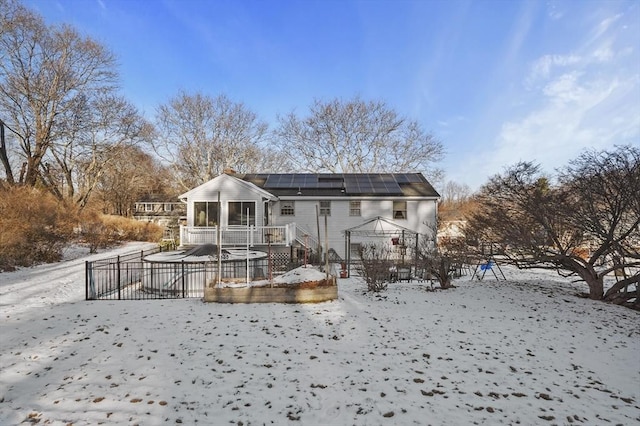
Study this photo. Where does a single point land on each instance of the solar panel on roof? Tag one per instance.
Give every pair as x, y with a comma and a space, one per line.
371, 184
279, 181
408, 178
366, 183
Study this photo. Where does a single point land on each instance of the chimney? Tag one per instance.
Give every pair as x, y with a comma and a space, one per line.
229, 171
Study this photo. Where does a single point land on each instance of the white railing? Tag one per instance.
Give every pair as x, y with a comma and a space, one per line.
306, 238
238, 236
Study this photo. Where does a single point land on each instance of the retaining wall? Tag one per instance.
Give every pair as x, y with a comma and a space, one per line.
290, 294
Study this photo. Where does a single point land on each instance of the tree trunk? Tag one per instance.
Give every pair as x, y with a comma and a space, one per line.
4, 158
587, 272
596, 286
443, 274
445, 282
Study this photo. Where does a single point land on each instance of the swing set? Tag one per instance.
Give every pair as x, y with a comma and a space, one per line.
488, 264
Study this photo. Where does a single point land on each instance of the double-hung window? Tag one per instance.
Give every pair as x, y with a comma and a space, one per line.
325, 208
354, 208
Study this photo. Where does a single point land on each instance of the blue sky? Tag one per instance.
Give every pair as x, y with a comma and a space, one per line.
496, 81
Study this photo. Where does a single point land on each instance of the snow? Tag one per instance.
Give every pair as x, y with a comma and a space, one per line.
303, 274
184, 255
524, 351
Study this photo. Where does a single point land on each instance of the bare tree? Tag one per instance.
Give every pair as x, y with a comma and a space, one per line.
456, 203
443, 260
455, 192
356, 136
132, 175
46, 72
92, 138
201, 136
586, 225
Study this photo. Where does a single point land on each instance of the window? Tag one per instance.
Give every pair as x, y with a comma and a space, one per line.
206, 213
325, 208
168, 207
148, 207
354, 208
399, 209
287, 208
242, 213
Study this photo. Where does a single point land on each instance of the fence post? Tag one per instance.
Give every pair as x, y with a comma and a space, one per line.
86, 280
182, 270
118, 276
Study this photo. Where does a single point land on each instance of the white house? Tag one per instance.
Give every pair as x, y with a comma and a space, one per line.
290, 210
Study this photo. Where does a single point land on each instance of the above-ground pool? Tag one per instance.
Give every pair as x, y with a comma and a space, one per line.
190, 271
244, 277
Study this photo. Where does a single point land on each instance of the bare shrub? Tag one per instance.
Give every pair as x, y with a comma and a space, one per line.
375, 266
94, 232
126, 229
35, 227
102, 231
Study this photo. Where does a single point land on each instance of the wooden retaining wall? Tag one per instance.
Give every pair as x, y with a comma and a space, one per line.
316, 294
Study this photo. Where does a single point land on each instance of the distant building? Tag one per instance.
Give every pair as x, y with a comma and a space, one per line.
163, 212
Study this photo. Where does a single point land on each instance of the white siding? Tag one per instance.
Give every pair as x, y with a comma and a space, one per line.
420, 213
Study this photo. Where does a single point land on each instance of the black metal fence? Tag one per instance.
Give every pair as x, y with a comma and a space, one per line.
131, 277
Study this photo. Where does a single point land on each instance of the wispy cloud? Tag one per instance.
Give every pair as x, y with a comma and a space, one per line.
553, 10
521, 28
604, 25
542, 67
588, 97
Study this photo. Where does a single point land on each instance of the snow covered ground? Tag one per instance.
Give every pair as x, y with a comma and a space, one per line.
525, 351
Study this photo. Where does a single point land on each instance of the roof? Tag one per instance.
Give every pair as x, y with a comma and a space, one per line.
335, 184
219, 182
157, 198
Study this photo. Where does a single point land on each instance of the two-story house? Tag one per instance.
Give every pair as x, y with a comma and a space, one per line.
289, 211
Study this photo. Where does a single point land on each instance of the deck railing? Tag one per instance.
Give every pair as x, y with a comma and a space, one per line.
238, 236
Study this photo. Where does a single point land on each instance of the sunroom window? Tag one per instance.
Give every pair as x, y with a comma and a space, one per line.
242, 213
206, 213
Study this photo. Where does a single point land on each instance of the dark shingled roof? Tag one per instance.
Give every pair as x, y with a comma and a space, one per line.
336, 184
